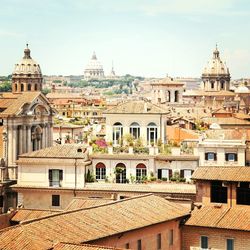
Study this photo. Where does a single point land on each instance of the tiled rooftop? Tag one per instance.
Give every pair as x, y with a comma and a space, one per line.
222, 173
237, 218
59, 151
83, 202
89, 224
137, 107
29, 214
71, 246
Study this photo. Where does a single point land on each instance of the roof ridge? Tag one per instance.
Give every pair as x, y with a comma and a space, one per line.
81, 209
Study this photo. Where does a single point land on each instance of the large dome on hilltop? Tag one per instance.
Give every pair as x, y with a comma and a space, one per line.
94, 69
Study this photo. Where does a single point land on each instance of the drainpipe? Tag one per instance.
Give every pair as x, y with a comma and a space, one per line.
75, 177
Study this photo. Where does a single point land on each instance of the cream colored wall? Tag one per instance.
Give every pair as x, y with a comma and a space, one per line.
221, 156
37, 173
130, 166
142, 119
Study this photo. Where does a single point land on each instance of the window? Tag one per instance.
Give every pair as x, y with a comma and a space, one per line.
243, 193
151, 133
127, 246
158, 241
141, 171
230, 244
231, 157
204, 242
120, 172
171, 237
117, 133
218, 192
139, 245
100, 171
212, 85
186, 173
55, 177
210, 156
164, 174
55, 200
134, 130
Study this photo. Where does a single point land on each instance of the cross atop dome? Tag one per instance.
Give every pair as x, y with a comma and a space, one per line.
27, 52
216, 52
94, 56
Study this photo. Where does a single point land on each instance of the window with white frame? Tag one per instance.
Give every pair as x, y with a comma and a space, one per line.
117, 133
151, 133
134, 130
55, 177
100, 171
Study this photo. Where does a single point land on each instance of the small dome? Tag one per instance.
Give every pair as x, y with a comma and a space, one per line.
242, 90
27, 66
215, 66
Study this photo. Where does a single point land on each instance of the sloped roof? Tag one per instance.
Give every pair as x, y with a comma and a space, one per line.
222, 173
29, 214
235, 218
89, 224
71, 246
83, 202
137, 107
58, 151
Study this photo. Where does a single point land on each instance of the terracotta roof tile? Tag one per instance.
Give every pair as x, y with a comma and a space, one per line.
83, 202
222, 173
71, 246
29, 214
89, 224
137, 107
237, 218
58, 151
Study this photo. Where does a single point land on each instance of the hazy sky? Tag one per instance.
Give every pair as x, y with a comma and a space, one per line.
142, 37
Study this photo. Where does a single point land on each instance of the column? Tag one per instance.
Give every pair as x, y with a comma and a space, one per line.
10, 145
20, 140
43, 137
29, 142
24, 139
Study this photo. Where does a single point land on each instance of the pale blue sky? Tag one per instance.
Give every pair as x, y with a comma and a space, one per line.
142, 37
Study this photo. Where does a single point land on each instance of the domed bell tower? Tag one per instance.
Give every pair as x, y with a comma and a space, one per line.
27, 75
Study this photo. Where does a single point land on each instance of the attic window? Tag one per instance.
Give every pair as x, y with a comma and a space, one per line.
79, 150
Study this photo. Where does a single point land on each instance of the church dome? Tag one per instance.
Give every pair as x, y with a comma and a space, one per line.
94, 69
94, 64
27, 66
215, 66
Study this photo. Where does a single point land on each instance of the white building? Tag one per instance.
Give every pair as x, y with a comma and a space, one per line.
141, 119
220, 152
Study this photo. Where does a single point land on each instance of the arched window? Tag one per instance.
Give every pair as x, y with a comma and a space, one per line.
22, 87
15, 87
29, 87
120, 172
141, 171
222, 84
134, 130
100, 171
35, 87
151, 133
117, 133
